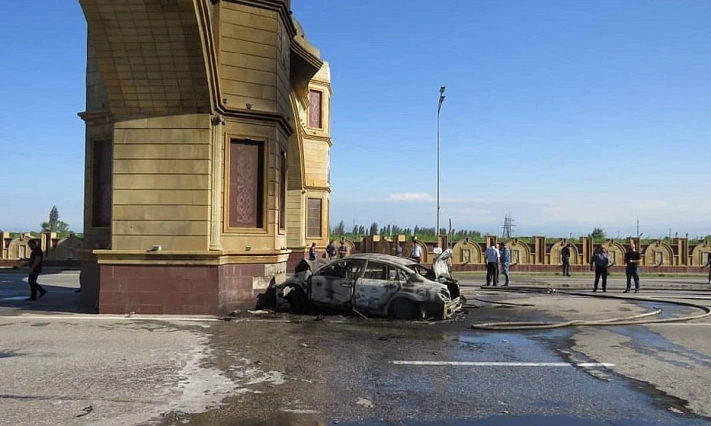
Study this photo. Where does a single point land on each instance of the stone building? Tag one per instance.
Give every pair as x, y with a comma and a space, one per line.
207, 152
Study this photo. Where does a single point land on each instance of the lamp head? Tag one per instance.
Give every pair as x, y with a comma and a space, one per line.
441, 90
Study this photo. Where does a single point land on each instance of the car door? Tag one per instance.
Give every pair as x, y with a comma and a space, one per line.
333, 284
376, 285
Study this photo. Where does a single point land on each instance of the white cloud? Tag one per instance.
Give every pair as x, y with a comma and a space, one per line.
411, 197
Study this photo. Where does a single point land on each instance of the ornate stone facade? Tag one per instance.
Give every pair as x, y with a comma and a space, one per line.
207, 143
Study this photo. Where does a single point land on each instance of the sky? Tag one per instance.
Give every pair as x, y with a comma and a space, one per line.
567, 115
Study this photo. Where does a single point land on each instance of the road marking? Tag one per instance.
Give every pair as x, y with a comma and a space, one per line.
107, 317
506, 364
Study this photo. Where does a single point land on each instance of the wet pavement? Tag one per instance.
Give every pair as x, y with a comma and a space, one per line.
357, 382
64, 367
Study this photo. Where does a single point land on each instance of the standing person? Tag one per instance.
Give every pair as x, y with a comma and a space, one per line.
565, 259
632, 260
331, 250
492, 265
600, 262
35, 264
505, 260
437, 250
312, 251
398, 250
708, 265
415, 251
342, 250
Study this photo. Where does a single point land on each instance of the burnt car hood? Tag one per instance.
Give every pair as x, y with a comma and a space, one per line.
440, 265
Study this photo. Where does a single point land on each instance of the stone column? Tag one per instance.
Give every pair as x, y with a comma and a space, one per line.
218, 122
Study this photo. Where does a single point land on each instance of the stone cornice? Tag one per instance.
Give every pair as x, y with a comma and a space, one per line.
306, 55
318, 188
322, 84
166, 257
104, 115
311, 137
250, 114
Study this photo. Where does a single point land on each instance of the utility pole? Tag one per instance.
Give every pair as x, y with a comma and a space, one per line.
508, 226
439, 109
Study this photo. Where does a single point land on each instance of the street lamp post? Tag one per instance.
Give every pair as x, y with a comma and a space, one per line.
439, 109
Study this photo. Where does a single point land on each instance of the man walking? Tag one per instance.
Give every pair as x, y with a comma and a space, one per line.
331, 250
312, 251
505, 259
492, 265
600, 262
565, 259
35, 264
632, 261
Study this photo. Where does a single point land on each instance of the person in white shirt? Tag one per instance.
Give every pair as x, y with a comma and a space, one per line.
415, 251
492, 265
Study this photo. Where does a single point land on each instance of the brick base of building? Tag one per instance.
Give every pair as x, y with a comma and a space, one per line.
173, 289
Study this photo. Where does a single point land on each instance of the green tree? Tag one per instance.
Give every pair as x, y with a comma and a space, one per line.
598, 234
339, 229
54, 224
373, 229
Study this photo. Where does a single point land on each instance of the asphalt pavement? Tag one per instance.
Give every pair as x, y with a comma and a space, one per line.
63, 365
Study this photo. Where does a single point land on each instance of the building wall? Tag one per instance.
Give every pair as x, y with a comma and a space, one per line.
249, 43
161, 183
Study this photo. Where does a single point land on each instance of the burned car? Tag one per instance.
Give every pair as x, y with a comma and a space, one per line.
374, 284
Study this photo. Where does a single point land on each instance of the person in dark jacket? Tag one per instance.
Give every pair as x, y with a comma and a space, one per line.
312, 252
331, 250
600, 262
35, 264
565, 259
632, 259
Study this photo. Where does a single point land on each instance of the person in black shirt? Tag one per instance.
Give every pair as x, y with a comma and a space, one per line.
331, 250
35, 264
632, 260
565, 258
312, 251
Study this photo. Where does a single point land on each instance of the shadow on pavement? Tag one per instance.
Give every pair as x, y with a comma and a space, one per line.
61, 297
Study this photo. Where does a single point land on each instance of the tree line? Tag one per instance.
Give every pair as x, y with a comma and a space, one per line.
422, 233
428, 234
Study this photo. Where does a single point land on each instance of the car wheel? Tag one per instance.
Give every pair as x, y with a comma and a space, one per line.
405, 309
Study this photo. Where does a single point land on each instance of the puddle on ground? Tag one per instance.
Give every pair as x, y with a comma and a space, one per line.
7, 354
654, 345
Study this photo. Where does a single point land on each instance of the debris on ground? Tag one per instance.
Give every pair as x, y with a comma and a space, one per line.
364, 403
86, 410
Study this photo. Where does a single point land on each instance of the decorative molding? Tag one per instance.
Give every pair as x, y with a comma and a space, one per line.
225, 257
104, 115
